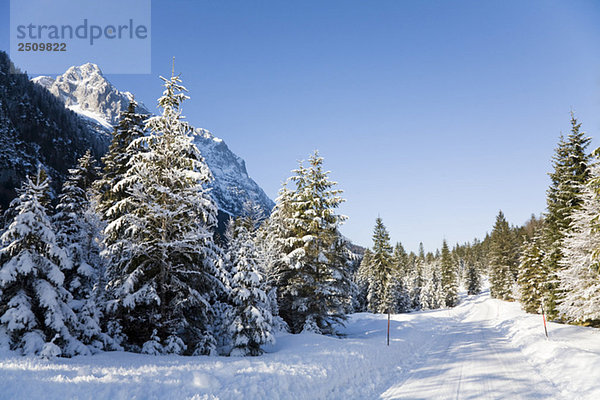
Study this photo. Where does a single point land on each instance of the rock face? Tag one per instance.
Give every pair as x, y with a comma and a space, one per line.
87, 92
84, 90
232, 185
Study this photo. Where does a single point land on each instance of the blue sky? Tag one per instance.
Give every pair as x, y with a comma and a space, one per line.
431, 114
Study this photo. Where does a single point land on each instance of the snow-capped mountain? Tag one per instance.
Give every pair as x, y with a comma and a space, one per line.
84, 90
87, 92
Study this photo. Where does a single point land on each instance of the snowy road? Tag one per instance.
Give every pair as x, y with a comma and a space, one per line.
470, 359
482, 349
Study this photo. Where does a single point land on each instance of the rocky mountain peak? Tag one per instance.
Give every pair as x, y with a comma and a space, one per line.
86, 91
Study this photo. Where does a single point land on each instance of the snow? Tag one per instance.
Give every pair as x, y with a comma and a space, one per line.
85, 90
94, 116
484, 348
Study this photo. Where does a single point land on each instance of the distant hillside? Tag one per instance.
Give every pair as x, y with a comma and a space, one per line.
35, 127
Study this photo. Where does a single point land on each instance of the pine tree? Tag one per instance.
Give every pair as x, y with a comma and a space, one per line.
531, 278
271, 249
78, 233
397, 290
116, 160
251, 319
112, 191
579, 273
432, 295
415, 286
376, 293
400, 259
449, 277
361, 279
397, 295
313, 269
34, 305
570, 164
165, 270
473, 280
503, 264
382, 264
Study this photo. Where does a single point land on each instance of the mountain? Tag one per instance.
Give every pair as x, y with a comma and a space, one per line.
87, 92
84, 90
35, 127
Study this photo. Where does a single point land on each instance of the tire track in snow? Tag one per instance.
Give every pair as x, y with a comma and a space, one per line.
470, 359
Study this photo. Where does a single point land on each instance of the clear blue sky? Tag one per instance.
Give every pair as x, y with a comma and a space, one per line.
432, 114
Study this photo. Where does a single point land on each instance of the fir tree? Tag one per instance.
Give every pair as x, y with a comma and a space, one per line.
116, 160
416, 280
382, 264
503, 262
570, 164
449, 277
251, 319
78, 233
398, 282
579, 273
361, 279
397, 295
165, 270
113, 191
400, 259
34, 305
313, 268
432, 296
531, 278
473, 280
376, 293
271, 250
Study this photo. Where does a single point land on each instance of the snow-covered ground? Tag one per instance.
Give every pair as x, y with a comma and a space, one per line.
483, 348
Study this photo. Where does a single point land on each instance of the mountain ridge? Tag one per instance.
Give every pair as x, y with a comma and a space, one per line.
36, 128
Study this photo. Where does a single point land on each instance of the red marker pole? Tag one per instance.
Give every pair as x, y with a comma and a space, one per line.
388, 335
544, 319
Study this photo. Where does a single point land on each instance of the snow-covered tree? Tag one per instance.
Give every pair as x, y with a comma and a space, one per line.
112, 191
432, 295
312, 270
400, 259
110, 187
362, 280
396, 293
395, 286
472, 279
381, 268
165, 270
531, 278
78, 232
579, 274
449, 277
271, 250
570, 163
415, 277
503, 263
34, 305
251, 318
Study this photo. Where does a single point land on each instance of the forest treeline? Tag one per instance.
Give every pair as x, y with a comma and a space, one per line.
128, 257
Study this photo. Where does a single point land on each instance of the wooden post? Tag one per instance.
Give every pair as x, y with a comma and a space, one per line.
388, 331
